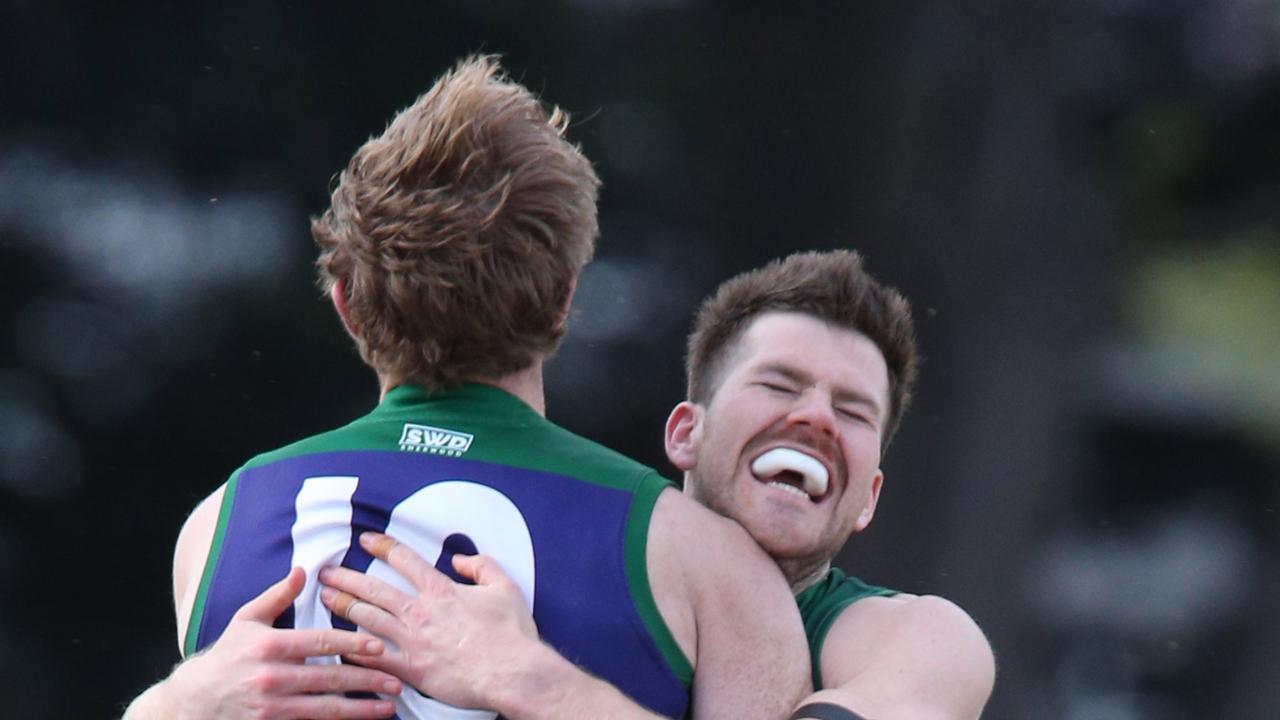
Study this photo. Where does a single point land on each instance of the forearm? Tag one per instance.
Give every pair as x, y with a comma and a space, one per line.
157, 703
184, 695
547, 686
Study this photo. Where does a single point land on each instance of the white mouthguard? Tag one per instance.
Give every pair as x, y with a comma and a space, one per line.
779, 459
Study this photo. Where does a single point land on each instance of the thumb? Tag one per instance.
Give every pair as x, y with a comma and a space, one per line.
274, 600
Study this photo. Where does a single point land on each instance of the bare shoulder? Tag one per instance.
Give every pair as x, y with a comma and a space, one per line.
189, 554
918, 651
717, 538
692, 552
909, 613
731, 611
714, 554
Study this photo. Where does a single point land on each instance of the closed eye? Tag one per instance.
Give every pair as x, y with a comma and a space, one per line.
854, 415
776, 387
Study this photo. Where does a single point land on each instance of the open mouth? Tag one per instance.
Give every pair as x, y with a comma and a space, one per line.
793, 471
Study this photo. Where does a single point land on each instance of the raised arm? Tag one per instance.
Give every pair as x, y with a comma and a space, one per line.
906, 658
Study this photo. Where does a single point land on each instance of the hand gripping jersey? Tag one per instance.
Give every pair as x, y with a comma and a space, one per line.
820, 605
462, 471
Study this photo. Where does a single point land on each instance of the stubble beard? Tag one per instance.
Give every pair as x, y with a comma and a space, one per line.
728, 500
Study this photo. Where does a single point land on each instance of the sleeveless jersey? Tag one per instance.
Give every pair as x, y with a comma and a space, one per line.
820, 605
460, 471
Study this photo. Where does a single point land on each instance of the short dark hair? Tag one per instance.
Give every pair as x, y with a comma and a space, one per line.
459, 231
831, 286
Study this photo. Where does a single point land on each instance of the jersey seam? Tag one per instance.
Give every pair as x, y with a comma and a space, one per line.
635, 552
196, 619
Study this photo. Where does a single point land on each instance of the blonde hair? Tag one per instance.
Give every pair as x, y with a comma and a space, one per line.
458, 233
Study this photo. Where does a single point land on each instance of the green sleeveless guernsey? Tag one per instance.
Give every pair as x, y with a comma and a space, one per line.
820, 605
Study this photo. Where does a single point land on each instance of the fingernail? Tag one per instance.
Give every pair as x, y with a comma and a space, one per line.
366, 538
391, 687
327, 595
372, 647
325, 574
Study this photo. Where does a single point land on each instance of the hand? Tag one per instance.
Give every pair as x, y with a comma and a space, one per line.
460, 644
257, 671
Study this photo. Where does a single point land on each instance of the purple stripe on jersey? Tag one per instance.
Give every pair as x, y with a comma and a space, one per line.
581, 601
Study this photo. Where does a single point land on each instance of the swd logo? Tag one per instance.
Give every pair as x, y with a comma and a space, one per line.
437, 441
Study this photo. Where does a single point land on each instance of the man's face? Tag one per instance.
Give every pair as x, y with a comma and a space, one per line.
791, 382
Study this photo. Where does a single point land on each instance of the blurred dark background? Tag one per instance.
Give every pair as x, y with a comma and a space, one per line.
1079, 197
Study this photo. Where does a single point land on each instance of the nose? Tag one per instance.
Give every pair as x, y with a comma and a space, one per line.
815, 409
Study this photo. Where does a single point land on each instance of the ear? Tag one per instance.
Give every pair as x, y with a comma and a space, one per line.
873, 497
338, 294
684, 435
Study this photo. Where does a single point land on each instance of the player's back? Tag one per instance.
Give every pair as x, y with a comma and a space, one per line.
464, 471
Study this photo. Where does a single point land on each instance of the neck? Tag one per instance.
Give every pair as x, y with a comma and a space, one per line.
524, 384
802, 574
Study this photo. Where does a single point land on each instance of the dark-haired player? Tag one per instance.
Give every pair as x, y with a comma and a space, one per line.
799, 374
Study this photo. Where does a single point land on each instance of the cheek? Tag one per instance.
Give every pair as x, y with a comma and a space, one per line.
713, 469
722, 438
846, 517
862, 456
719, 479
857, 494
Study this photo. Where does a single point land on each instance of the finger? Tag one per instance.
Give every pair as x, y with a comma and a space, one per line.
378, 544
301, 644
365, 587
393, 662
408, 563
365, 615
336, 679
481, 569
332, 707
338, 601
486, 572
267, 606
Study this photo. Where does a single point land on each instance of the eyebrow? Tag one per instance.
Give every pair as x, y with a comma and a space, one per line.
840, 395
